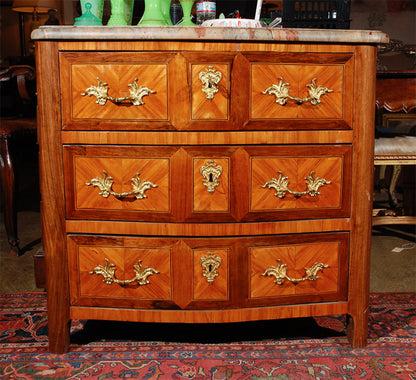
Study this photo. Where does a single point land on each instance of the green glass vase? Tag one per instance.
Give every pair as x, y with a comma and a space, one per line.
153, 14
187, 8
121, 12
92, 13
165, 4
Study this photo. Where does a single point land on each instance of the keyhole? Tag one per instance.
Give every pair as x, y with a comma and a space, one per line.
210, 267
210, 177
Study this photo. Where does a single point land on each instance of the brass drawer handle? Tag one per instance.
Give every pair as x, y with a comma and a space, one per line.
211, 172
281, 186
210, 79
108, 273
280, 275
281, 91
101, 93
210, 264
105, 184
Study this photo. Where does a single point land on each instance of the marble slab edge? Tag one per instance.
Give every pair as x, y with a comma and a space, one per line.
208, 34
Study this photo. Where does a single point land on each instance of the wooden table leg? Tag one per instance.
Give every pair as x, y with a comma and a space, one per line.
8, 194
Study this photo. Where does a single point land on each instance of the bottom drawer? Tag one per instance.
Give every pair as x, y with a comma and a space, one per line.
207, 273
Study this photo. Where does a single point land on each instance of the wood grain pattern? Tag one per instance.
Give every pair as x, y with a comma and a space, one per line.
122, 170
297, 258
118, 78
219, 199
53, 199
209, 138
209, 316
362, 195
216, 108
218, 289
92, 285
208, 229
83, 164
296, 170
180, 282
80, 71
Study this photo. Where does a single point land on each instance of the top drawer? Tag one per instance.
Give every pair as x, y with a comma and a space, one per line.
206, 91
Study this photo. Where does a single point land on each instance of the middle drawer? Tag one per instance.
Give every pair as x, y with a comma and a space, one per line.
207, 184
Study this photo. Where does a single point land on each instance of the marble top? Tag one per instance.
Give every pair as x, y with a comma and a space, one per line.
199, 33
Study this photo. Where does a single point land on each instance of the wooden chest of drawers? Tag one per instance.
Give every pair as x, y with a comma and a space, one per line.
194, 179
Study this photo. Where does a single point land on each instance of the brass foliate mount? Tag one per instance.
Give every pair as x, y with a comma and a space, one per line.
105, 185
210, 264
210, 79
281, 186
108, 273
211, 172
101, 93
281, 91
279, 272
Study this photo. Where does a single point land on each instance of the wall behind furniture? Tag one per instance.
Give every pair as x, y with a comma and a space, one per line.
395, 17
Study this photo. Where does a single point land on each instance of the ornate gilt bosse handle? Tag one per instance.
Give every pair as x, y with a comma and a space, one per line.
105, 185
281, 91
210, 79
279, 272
101, 93
281, 186
108, 273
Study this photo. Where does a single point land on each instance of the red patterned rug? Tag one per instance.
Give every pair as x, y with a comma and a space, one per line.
273, 350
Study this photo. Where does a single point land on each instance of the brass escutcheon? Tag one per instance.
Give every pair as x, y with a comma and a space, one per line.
101, 93
280, 275
281, 186
108, 273
105, 184
211, 172
210, 264
281, 91
210, 79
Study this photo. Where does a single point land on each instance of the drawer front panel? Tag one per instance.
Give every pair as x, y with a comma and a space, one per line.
115, 90
291, 182
296, 81
312, 91
294, 269
155, 273
113, 183
207, 184
299, 182
207, 273
206, 91
116, 269
308, 268
119, 79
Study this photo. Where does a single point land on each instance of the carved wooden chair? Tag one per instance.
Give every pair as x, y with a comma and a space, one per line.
11, 125
395, 93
